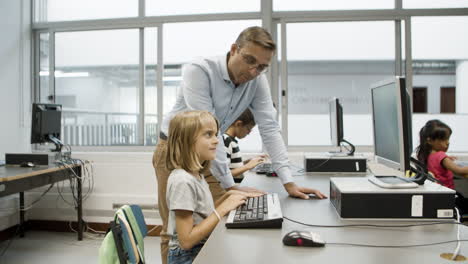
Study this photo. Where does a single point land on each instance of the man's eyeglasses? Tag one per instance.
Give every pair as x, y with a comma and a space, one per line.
252, 62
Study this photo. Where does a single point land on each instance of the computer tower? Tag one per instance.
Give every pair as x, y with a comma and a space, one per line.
335, 164
358, 198
35, 158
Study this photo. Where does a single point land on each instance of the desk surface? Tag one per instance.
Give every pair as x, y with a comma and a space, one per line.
265, 246
15, 172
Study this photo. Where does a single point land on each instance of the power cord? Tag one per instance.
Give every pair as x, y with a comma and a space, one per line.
458, 240
371, 225
393, 246
32, 203
457, 249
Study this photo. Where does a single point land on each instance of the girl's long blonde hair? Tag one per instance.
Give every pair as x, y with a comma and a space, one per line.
184, 129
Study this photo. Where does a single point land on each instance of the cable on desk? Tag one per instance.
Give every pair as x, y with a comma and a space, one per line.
457, 249
399, 246
371, 225
86, 178
32, 203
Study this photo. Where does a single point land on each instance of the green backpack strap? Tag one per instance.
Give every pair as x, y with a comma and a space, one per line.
128, 212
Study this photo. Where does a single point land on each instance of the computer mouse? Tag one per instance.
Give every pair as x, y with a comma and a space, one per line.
303, 239
271, 174
27, 164
312, 196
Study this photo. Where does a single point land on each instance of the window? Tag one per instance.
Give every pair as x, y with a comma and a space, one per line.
339, 59
100, 69
300, 5
182, 43
434, 3
188, 7
43, 73
67, 10
151, 91
440, 59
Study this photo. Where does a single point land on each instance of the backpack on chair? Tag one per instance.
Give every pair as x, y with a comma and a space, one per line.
124, 243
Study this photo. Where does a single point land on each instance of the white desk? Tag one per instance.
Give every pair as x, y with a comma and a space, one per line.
265, 245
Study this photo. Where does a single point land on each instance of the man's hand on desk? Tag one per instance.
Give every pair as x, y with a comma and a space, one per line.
301, 192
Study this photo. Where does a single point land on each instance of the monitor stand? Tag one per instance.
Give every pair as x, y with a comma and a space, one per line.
340, 153
337, 153
392, 182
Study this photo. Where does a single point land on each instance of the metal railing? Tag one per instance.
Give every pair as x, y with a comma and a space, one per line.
93, 128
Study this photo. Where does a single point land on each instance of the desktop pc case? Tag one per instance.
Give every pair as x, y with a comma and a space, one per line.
335, 164
35, 158
358, 198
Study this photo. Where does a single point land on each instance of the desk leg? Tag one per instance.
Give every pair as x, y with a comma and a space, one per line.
21, 213
79, 209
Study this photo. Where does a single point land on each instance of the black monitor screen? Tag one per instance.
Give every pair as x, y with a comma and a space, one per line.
46, 122
336, 122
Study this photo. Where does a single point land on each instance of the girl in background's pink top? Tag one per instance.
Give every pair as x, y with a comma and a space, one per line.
434, 140
434, 165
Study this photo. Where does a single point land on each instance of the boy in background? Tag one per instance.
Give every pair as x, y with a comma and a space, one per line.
238, 130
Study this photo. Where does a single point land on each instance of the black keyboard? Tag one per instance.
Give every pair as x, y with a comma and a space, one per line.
263, 168
258, 212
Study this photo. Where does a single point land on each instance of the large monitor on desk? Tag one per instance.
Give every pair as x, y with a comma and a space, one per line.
391, 117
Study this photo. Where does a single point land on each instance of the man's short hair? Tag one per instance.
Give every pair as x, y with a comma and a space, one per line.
247, 118
257, 35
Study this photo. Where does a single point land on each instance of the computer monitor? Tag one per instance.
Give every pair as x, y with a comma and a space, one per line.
336, 124
46, 124
391, 116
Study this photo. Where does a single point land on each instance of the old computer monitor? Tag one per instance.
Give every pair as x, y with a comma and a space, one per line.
391, 117
336, 125
46, 124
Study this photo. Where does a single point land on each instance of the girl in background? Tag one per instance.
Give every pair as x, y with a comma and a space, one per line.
434, 140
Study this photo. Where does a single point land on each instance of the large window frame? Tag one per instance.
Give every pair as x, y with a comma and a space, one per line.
270, 20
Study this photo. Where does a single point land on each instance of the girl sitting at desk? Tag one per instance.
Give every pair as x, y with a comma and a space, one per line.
434, 140
193, 215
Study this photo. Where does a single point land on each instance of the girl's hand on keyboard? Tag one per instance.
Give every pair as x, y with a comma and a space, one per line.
231, 203
248, 194
246, 189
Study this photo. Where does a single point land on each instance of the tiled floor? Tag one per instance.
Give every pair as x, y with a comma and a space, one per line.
50, 247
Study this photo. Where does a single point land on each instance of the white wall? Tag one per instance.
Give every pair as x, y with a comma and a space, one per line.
14, 88
119, 178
